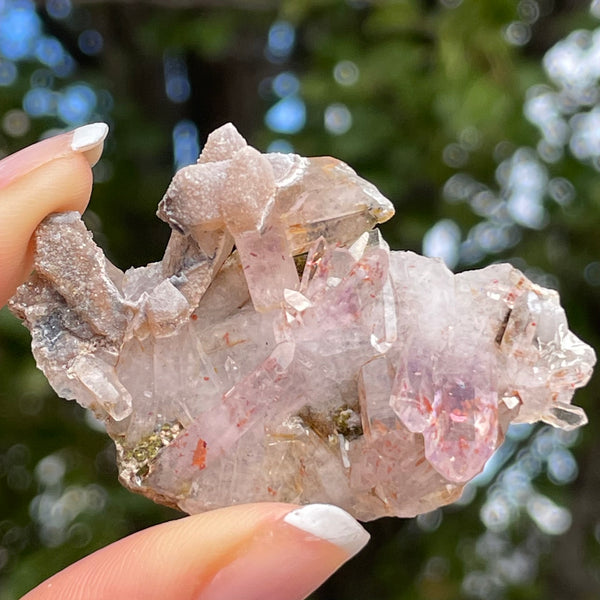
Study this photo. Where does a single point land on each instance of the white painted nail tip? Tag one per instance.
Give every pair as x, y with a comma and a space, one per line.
330, 523
88, 136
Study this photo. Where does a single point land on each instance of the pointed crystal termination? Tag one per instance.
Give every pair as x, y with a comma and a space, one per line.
310, 364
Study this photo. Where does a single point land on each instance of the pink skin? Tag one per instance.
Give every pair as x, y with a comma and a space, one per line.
245, 551
248, 551
44, 178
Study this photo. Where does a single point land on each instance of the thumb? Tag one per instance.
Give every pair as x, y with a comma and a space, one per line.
50, 176
253, 551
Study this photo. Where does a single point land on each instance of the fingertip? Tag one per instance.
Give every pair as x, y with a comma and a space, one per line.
59, 185
246, 551
330, 523
291, 557
88, 141
53, 175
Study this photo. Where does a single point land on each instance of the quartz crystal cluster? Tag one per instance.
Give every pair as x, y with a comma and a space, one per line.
281, 351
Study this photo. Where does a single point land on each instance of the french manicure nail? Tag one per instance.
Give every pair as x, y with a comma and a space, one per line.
88, 136
330, 523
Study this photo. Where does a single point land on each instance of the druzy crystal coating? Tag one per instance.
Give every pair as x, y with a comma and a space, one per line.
281, 351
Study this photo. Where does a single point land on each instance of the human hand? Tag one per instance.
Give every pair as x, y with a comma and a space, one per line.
254, 551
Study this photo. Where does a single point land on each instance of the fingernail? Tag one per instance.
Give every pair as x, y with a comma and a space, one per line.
289, 558
86, 140
89, 136
329, 523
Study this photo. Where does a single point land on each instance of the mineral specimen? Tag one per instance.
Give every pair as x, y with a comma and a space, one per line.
280, 351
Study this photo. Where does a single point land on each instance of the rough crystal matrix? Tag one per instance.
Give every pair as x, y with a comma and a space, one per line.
280, 351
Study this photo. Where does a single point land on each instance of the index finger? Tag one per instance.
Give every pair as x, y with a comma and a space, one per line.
51, 176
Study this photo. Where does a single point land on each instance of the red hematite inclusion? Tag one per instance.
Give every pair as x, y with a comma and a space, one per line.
308, 364
200, 454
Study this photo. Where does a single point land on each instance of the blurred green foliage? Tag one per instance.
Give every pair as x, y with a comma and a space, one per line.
431, 74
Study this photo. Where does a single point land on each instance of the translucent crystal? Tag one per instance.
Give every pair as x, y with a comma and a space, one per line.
308, 364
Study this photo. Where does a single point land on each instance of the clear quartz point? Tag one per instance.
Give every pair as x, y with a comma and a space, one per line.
280, 350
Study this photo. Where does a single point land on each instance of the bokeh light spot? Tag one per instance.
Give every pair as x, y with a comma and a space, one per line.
470, 252
66, 67
527, 211
178, 89
50, 470
282, 146
79, 535
15, 123
186, 146
496, 513
478, 584
485, 203
470, 138
517, 33
548, 153
76, 104
18, 478
430, 521
41, 78
19, 27
562, 466
591, 273
177, 84
337, 119
490, 237
455, 156
524, 179
519, 431
58, 9
561, 190
585, 141
8, 72
90, 42
39, 102
529, 11
105, 101
49, 51
529, 463
287, 116
346, 72
461, 187
281, 40
543, 443
549, 517
285, 84
265, 88
443, 241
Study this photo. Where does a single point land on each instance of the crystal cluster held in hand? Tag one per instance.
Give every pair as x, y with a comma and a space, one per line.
281, 351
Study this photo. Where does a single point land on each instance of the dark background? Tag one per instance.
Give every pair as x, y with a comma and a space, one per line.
477, 118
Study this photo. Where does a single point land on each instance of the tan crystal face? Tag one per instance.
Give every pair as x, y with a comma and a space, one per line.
371, 379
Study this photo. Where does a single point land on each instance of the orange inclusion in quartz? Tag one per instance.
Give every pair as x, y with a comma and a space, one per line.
200, 455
